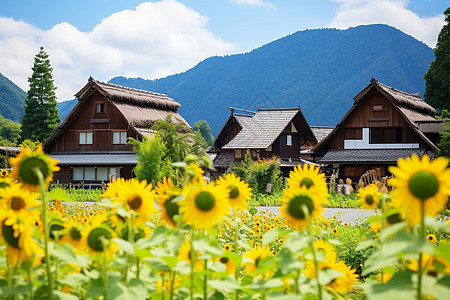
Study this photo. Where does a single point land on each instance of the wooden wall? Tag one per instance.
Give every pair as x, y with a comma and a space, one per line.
101, 124
365, 117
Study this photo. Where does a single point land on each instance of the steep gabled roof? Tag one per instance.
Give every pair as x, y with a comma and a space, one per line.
140, 108
410, 106
265, 127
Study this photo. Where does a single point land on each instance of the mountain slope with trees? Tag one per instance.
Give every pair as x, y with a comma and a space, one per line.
12, 100
320, 70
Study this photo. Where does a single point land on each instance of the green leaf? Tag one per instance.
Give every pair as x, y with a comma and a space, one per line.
400, 287
272, 234
253, 211
63, 296
296, 242
226, 284
95, 288
59, 194
126, 246
364, 244
217, 296
158, 237
443, 251
388, 231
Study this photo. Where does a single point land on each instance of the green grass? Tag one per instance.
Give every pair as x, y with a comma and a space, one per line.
80, 195
335, 200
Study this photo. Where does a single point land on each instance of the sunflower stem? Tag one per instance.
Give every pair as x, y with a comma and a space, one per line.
48, 260
138, 268
163, 285
192, 257
236, 247
313, 249
205, 282
296, 285
422, 235
172, 283
105, 289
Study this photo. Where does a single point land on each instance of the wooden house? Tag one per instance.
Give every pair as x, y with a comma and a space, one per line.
91, 143
383, 125
279, 132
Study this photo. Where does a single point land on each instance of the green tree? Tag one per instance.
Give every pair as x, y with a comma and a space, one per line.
444, 143
152, 166
199, 145
437, 86
10, 131
205, 131
41, 117
29, 144
175, 138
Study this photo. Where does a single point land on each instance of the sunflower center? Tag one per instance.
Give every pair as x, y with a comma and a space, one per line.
234, 192
306, 182
171, 208
95, 238
423, 185
26, 169
394, 219
75, 234
430, 238
55, 229
224, 260
369, 199
295, 206
204, 201
135, 202
17, 203
8, 235
257, 260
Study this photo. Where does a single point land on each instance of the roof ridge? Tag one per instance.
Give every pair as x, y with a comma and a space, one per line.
416, 95
91, 79
278, 109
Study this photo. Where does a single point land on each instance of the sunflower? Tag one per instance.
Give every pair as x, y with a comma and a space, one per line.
368, 197
6, 181
203, 207
17, 236
376, 227
27, 161
420, 181
75, 235
138, 197
309, 177
228, 247
4, 173
335, 231
99, 240
194, 175
20, 201
238, 191
255, 255
113, 188
344, 283
385, 278
431, 238
295, 201
167, 192
185, 255
230, 268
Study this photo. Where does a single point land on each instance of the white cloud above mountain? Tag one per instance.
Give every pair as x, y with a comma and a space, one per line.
152, 41
352, 13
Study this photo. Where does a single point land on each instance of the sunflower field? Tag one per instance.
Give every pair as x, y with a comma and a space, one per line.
194, 240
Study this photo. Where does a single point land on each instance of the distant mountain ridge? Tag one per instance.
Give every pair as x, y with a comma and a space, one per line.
321, 70
12, 100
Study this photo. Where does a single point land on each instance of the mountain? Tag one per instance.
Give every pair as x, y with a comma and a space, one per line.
65, 107
321, 70
12, 100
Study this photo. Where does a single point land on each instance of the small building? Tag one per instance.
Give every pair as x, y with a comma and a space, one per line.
91, 143
383, 125
268, 132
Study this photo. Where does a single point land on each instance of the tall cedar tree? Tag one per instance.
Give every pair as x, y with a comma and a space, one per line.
41, 116
437, 87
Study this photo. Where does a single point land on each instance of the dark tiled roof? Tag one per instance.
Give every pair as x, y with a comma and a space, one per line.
263, 129
243, 120
321, 132
95, 159
430, 126
224, 159
359, 156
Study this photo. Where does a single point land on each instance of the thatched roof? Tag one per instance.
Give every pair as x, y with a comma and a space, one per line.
132, 96
410, 106
140, 108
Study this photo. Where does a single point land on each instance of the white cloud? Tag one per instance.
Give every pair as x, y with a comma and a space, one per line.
258, 3
392, 12
152, 41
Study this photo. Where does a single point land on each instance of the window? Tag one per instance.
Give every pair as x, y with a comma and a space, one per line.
85, 138
287, 140
119, 137
237, 153
95, 173
100, 107
386, 135
378, 108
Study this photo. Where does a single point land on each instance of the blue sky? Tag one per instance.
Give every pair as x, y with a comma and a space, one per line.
153, 39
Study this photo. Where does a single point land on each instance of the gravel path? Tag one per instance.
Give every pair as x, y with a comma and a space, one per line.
346, 215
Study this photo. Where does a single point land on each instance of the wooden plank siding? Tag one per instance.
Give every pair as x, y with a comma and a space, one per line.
101, 124
366, 117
